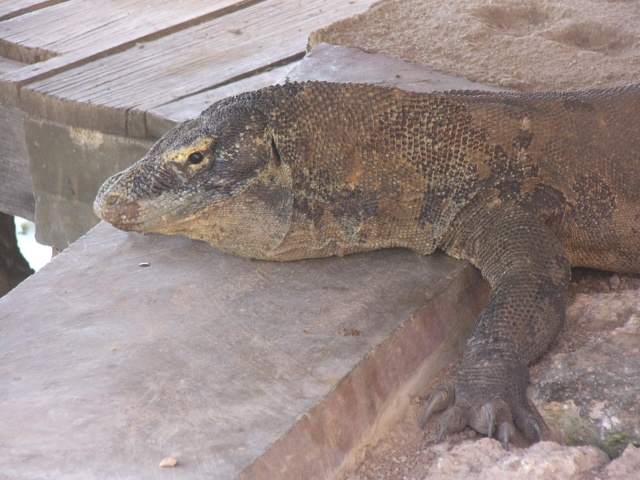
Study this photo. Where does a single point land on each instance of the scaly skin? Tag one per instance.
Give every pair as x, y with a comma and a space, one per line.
524, 186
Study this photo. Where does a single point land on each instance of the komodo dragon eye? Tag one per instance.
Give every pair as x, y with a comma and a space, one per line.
195, 158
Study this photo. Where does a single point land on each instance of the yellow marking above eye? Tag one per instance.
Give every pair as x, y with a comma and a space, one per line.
193, 154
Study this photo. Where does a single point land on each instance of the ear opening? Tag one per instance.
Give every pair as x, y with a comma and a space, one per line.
275, 153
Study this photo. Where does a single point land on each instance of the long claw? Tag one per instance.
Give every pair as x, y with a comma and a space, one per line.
440, 399
489, 413
503, 435
444, 423
431, 407
538, 432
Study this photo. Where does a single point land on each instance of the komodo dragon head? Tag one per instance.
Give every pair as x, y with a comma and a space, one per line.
217, 178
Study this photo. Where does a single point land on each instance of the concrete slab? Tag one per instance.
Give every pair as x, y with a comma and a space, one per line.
332, 63
230, 365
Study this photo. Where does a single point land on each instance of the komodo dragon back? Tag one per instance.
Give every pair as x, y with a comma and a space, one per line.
522, 185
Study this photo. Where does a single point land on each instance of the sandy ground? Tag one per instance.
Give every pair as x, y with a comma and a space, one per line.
526, 45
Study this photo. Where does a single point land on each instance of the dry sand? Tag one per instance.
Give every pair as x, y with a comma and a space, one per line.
527, 45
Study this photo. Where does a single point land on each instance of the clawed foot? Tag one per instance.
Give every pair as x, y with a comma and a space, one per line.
489, 396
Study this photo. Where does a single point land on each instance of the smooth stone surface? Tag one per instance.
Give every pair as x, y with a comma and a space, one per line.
332, 63
107, 366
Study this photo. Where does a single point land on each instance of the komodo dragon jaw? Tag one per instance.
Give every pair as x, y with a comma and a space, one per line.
522, 185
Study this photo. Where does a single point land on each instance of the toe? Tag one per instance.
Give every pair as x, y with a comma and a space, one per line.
442, 398
486, 418
527, 423
453, 419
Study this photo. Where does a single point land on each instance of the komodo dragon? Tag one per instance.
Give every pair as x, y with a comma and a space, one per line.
524, 186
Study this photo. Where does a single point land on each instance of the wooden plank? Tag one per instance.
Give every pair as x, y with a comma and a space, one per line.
16, 190
8, 65
220, 361
13, 8
159, 120
70, 34
178, 65
74, 25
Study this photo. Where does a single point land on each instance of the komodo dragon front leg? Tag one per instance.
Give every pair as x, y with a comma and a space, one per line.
528, 272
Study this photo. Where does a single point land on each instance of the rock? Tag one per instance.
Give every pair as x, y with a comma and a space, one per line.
591, 395
625, 467
485, 459
614, 282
